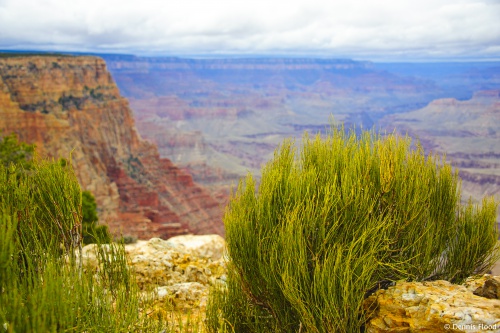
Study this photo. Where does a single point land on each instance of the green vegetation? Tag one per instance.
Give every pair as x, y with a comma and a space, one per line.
70, 101
43, 286
73, 102
96, 95
20, 155
93, 92
327, 226
92, 232
135, 168
331, 224
127, 239
14, 152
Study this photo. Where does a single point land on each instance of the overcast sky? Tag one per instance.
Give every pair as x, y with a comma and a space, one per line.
359, 29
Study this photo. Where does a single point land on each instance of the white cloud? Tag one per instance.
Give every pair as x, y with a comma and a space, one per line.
356, 28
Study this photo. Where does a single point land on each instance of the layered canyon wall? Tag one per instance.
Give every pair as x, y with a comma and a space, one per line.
222, 118
70, 106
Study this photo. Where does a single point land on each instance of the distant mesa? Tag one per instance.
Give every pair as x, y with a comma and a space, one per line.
222, 118
218, 119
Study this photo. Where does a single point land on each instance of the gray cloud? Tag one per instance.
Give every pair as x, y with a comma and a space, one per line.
353, 28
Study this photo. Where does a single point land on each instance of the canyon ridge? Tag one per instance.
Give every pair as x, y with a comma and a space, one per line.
70, 107
209, 122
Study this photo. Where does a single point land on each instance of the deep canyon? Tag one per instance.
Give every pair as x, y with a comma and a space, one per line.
70, 107
162, 147
219, 119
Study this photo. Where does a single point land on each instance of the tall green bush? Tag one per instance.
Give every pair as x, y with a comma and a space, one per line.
337, 220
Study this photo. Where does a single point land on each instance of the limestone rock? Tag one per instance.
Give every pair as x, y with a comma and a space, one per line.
160, 262
184, 296
89, 255
179, 272
485, 286
209, 246
437, 306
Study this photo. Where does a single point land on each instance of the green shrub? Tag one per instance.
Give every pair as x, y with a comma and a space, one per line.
332, 223
14, 152
92, 232
127, 239
20, 154
42, 286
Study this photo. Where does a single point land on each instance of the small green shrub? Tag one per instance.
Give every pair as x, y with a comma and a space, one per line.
71, 102
329, 224
14, 152
20, 155
92, 232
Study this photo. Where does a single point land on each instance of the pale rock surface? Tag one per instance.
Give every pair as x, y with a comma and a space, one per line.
437, 306
89, 254
209, 246
184, 296
175, 270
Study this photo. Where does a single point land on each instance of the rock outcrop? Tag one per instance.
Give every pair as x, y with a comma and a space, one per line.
436, 306
204, 246
179, 270
486, 286
71, 106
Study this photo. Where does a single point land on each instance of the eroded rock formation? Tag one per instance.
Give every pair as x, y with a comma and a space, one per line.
71, 106
222, 118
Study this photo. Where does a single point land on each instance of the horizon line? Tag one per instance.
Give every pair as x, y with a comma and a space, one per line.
208, 56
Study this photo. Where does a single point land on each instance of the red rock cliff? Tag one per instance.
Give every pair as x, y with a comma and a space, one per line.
71, 105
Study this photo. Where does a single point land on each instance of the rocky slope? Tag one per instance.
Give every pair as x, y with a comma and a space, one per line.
436, 306
71, 106
180, 270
